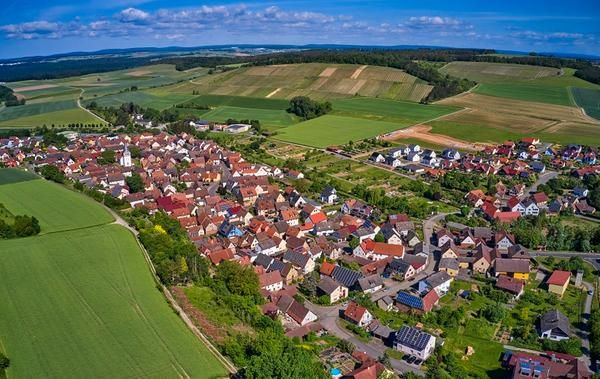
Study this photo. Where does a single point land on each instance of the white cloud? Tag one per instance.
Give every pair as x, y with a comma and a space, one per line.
133, 15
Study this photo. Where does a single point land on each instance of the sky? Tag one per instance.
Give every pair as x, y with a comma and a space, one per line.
42, 27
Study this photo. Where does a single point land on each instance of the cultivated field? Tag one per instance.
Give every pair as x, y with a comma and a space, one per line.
82, 302
54, 101
389, 110
319, 81
334, 130
589, 100
494, 119
56, 208
267, 117
483, 72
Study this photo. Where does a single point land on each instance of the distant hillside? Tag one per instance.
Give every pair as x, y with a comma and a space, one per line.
317, 80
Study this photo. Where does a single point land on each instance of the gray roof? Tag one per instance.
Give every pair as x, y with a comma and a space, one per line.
263, 260
437, 279
370, 282
296, 259
449, 263
412, 338
554, 319
327, 285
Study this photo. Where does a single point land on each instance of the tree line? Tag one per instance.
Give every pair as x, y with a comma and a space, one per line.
7, 96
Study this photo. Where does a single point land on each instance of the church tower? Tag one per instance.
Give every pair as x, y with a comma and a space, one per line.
126, 158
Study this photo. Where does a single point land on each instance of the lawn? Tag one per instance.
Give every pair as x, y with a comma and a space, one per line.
588, 99
334, 130
267, 117
403, 112
83, 304
56, 208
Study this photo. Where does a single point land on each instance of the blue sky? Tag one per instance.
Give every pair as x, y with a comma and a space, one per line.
40, 27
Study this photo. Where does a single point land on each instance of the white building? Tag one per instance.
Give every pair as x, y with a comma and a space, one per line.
412, 341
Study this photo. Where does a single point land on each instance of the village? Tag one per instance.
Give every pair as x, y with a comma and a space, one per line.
326, 265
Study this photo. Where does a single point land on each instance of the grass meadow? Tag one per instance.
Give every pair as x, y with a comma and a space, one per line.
334, 130
267, 117
588, 99
79, 299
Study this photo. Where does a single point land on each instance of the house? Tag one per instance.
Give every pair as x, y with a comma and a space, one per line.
386, 303
357, 314
580, 192
376, 251
410, 302
413, 157
451, 154
548, 366
377, 158
370, 284
271, 281
334, 290
399, 269
303, 262
558, 282
515, 268
504, 241
345, 276
450, 266
554, 325
412, 341
439, 281
515, 287
295, 311
482, 259
394, 162
329, 195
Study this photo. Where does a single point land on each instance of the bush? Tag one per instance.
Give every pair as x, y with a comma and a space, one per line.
4, 361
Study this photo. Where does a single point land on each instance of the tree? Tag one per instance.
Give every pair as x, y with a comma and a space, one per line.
379, 237
239, 280
493, 313
4, 361
306, 108
135, 183
51, 172
346, 346
107, 157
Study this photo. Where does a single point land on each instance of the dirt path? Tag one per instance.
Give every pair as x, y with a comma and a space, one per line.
273, 93
422, 132
87, 110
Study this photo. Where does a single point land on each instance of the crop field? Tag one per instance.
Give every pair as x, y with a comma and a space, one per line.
56, 208
493, 119
317, 80
484, 72
239, 101
267, 117
11, 175
54, 101
334, 130
389, 110
82, 302
588, 99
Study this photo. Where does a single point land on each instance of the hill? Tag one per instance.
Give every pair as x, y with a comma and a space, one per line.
79, 299
317, 80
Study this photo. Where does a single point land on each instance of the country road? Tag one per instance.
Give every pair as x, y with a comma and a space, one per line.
87, 110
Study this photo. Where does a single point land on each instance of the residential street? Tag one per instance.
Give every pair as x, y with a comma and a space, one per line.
542, 179
329, 315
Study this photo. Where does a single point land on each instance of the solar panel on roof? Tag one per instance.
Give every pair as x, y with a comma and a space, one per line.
410, 300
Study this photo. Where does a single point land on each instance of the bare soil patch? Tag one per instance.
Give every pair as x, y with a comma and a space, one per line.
273, 93
328, 72
357, 72
34, 88
215, 333
422, 132
139, 73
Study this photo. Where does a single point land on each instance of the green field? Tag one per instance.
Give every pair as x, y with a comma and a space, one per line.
11, 175
551, 90
54, 101
267, 117
55, 208
82, 302
389, 110
239, 101
484, 72
588, 99
334, 130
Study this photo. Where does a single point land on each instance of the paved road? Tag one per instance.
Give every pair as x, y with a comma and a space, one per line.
329, 318
542, 179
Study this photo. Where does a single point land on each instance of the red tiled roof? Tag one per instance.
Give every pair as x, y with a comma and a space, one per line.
559, 278
354, 312
327, 268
